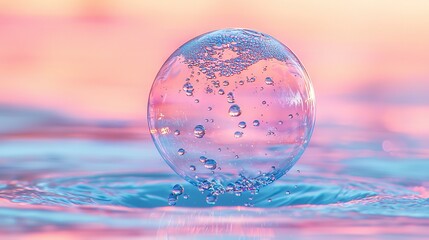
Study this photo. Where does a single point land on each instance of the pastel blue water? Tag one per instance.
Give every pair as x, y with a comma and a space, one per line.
119, 187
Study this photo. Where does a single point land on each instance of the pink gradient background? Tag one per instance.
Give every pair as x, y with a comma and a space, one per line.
97, 59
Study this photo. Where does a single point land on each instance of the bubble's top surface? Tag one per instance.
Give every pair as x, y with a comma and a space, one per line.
244, 47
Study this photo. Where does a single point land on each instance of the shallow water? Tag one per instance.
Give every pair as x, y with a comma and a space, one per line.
356, 180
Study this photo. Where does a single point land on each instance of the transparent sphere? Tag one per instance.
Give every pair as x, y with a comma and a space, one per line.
231, 110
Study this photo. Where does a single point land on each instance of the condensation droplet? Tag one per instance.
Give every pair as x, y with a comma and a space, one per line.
255, 123
181, 151
230, 97
269, 81
280, 122
210, 164
192, 168
177, 189
290, 116
211, 199
203, 159
177, 132
172, 199
242, 124
209, 108
238, 134
221, 92
225, 83
199, 131
234, 111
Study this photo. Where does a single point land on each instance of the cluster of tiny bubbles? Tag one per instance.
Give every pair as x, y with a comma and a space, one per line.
242, 106
176, 191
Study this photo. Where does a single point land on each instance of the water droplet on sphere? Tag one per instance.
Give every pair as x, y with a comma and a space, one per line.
209, 108
177, 189
203, 159
181, 151
192, 168
238, 134
199, 131
269, 81
210, 164
211, 199
221, 92
234, 111
172, 199
230, 97
225, 83
255, 123
290, 116
242, 124
280, 122
177, 132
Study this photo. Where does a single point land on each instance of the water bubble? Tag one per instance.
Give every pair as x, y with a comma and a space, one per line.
269, 81
234, 71
181, 151
290, 116
230, 97
203, 159
242, 124
185, 196
172, 199
199, 131
210, 164
238, 134
255, 123
177, 189
234, 111
188, 88
177, 132
211, 199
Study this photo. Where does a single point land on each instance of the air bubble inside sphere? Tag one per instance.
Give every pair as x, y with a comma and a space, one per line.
208, 90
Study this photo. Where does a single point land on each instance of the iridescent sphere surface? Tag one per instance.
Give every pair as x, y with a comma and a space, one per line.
231, 110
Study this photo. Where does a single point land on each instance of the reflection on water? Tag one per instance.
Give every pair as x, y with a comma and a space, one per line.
357, 180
